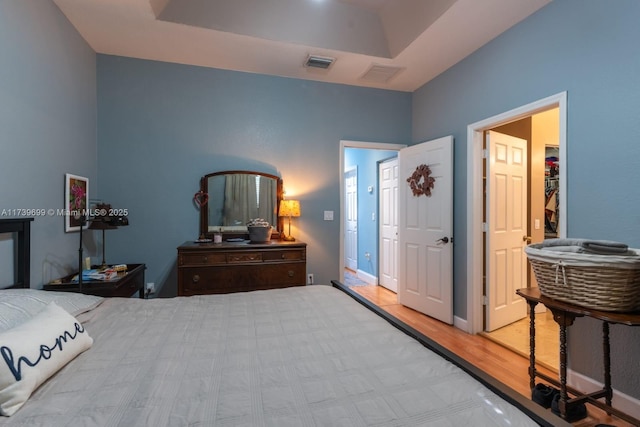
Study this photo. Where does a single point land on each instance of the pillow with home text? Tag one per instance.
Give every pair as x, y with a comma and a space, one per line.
33, 351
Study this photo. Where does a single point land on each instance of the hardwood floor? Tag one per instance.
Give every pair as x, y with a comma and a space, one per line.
499, 362
516, 338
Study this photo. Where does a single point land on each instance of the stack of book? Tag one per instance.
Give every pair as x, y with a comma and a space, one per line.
99, 274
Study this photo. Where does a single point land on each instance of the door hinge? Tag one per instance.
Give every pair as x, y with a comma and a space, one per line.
485, 153
485, 300
485, 228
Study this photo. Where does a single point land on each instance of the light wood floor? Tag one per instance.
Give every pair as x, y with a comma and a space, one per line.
497, 361
516, 338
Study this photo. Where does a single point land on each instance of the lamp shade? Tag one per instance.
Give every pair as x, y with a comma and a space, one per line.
99, 224
102, 221
290, 208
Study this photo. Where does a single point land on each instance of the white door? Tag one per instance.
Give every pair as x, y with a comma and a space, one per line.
388, 218
425, 231
506, 206
351, 219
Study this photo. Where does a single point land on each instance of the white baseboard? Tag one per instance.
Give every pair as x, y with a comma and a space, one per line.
461, 323
366, 277
620, 401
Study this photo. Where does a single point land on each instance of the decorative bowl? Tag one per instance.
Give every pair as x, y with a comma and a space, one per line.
259, 234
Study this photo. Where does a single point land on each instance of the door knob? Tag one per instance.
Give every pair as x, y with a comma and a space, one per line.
526, 239
443, 240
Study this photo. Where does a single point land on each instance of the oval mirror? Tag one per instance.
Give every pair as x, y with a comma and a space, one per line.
235, 198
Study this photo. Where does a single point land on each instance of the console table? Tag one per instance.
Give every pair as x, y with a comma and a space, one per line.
218, 268
564, 314
125, 285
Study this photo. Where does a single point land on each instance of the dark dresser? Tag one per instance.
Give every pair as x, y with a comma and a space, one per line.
209, 268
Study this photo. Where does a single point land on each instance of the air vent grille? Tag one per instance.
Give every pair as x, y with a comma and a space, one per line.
380, 73
322, 62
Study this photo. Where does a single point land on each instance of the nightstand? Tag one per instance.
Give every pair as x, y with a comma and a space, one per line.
125, 285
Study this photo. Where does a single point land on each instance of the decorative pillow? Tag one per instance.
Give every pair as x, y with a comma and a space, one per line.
33, 351
19, 305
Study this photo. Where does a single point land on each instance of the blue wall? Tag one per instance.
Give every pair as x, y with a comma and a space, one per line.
588, 48
47, 126
162, 126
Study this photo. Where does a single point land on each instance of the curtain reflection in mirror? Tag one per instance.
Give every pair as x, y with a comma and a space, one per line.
235, 198
240, 202
267, 204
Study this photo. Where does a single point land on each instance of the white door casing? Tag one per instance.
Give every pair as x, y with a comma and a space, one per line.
351, 218
507, 202
475, 196
388, 219
425, 225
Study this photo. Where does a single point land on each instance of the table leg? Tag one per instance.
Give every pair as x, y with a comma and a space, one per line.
606, 351
532, 344
564, 320
563, 370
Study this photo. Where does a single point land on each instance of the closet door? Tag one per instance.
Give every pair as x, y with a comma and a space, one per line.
507, 204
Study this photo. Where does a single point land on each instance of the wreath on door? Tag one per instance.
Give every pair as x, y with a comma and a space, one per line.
421, 181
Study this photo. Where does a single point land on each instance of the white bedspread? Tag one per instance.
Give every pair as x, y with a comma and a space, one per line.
307, 356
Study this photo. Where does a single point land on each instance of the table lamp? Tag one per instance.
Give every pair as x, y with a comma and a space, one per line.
289, 208
106, 222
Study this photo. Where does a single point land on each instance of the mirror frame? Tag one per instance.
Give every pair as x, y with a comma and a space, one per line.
204, 210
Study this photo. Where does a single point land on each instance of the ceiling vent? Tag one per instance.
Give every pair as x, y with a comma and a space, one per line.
380, 73
322, 62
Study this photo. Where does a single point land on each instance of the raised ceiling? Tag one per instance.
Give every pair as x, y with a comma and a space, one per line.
389, 44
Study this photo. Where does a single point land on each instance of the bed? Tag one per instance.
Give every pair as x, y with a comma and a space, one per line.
303, 356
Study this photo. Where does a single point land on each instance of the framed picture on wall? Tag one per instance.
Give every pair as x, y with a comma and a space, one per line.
76, 199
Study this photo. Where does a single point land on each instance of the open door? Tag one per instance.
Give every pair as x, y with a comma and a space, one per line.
507, 198
425, 231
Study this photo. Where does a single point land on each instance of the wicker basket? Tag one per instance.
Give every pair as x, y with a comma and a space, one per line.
599, 282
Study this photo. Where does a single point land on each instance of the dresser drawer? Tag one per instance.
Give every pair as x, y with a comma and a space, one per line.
234, 258
285, 255
240, 278
206, 258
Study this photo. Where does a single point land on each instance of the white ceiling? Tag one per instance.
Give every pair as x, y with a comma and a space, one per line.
420, 38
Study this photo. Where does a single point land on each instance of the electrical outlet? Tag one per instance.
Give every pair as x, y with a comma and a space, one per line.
151, 287
310, 279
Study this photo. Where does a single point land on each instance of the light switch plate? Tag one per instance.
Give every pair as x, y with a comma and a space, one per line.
328, 215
